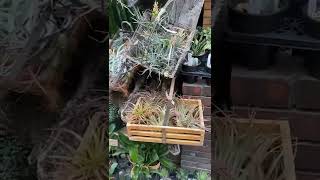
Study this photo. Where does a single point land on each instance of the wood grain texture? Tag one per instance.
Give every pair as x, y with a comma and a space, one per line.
168, 134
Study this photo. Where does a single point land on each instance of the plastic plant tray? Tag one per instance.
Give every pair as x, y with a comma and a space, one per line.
200, 73
289, 35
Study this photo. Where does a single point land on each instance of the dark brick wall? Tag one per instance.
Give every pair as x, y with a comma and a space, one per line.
282, 94
198, 157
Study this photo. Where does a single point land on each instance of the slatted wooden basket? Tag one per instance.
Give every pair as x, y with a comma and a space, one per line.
169, 134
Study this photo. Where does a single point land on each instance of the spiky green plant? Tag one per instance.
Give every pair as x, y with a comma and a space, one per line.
156, 44
201, 41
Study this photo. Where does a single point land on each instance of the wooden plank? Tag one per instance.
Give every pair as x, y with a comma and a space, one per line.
289, 167
168, 129
168, 135
201, 113
168, 141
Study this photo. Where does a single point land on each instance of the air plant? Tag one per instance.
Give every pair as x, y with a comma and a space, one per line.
120, 71
89, 160
186, 115
247, 154
150, 110
157, 45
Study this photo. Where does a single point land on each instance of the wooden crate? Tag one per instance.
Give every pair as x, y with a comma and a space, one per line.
282, 127
172, 135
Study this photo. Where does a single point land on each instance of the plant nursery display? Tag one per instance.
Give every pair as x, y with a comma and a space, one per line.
200, 47
155, 43
145, 120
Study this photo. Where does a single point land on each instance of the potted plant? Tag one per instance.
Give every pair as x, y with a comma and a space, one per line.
200, 48
145, 158
311, 13
256, 16
201, 44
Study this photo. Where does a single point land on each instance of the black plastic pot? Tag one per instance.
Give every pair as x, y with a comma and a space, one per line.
203, 58
208, 70
312, 26
186, 68
254, 24
189, 79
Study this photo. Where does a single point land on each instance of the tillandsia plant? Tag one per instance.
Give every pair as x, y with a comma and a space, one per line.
121, 72
186, 115
89, 160
146, 158
201, 41
246, 153
150, 110
157, 45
